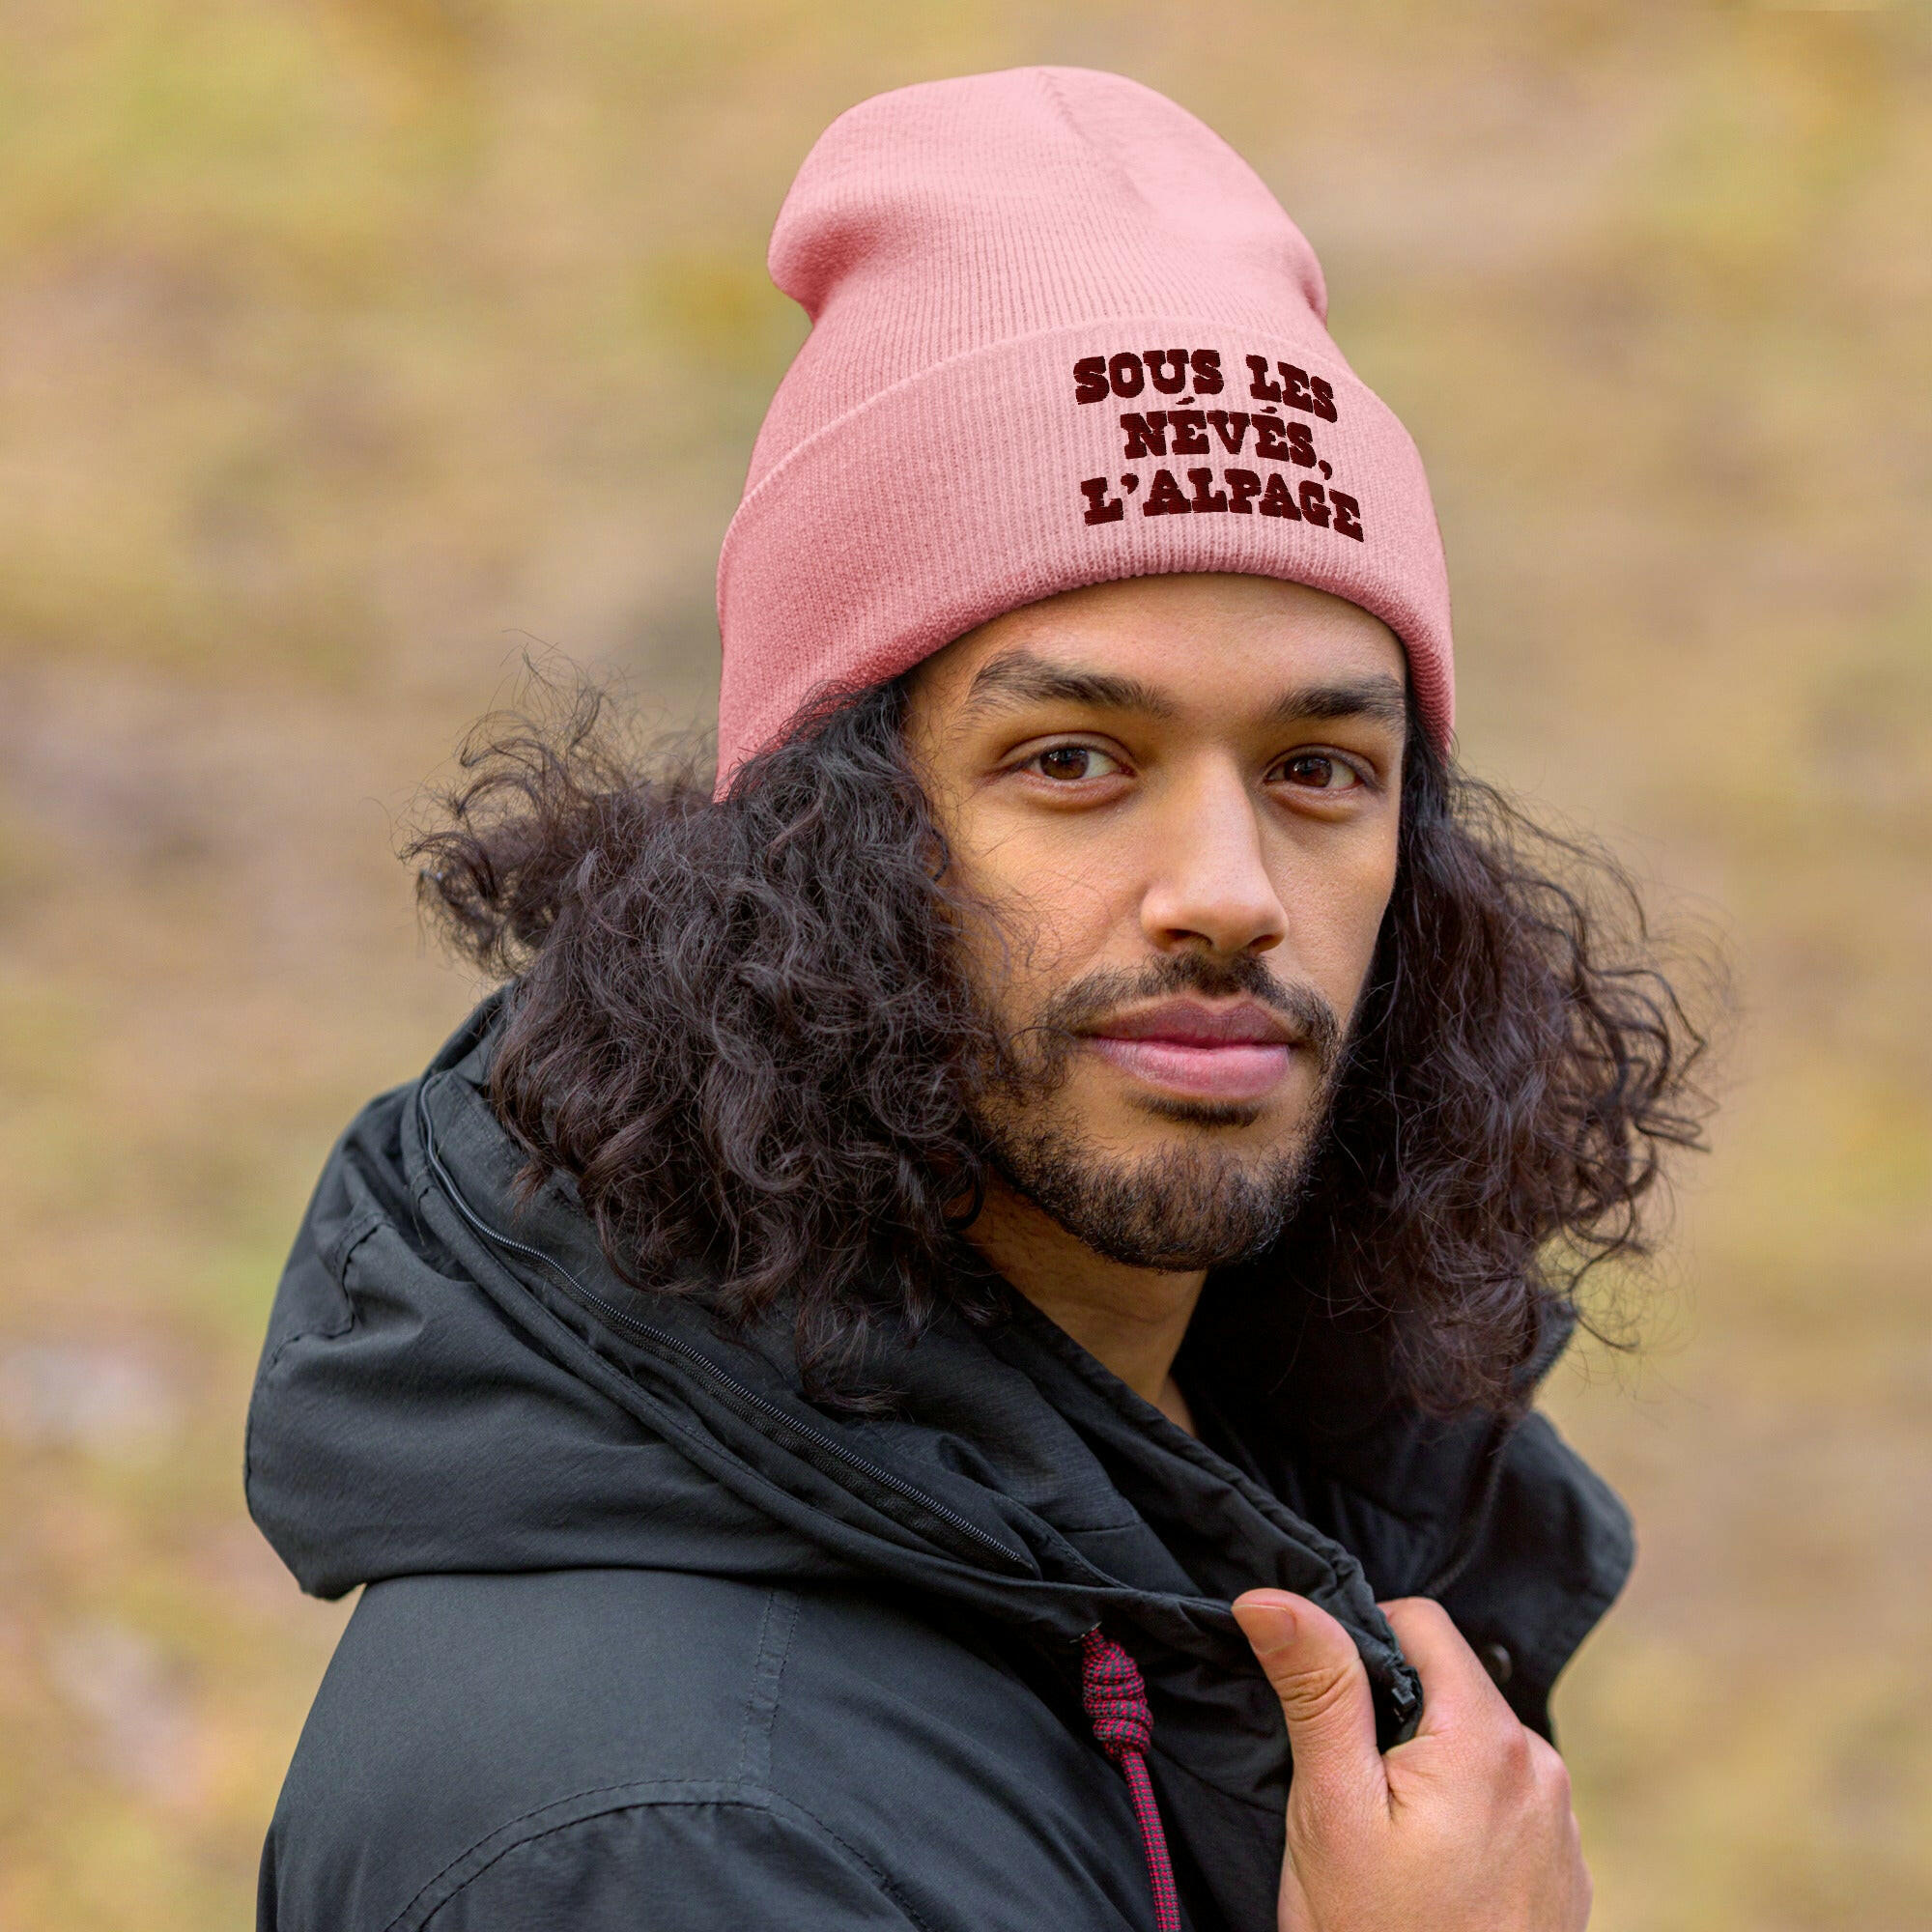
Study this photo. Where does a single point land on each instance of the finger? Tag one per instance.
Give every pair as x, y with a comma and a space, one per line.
1312, 1662
1455, 1689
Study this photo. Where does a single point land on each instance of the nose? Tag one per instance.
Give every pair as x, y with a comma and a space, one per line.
1208, 879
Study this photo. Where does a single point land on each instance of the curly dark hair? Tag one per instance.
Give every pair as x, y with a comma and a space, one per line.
740, 1027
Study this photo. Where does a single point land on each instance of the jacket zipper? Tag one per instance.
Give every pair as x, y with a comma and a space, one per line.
664, 1339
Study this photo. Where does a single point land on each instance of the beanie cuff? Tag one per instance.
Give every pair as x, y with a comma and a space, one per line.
1074, 456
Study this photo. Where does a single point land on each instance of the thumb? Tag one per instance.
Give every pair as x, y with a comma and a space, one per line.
1312, 1662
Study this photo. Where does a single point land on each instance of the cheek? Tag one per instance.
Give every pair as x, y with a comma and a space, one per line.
1335, 918
1054, 913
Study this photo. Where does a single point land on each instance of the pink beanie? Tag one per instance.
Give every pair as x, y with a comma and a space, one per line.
1060, 334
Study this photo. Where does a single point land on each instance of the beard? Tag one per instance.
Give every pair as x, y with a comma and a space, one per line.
1200, 1203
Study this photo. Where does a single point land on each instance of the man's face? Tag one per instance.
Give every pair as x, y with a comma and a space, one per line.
1179, 797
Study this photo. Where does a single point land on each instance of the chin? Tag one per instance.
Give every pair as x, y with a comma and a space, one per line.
1174, 1199
1230, 1135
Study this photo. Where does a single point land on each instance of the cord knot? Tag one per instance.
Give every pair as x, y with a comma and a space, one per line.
1115, 1696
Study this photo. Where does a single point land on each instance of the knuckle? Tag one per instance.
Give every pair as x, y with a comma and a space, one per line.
1313, 1694
1415, 1611
1515, 1758
1548, 1769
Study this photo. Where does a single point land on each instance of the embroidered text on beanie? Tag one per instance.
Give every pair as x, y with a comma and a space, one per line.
1060, 334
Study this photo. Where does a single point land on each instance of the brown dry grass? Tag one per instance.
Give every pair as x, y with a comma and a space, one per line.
344, 347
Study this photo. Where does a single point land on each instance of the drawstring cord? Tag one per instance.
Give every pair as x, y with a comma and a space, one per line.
1117, 1707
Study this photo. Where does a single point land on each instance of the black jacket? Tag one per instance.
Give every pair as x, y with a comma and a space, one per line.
648, 1640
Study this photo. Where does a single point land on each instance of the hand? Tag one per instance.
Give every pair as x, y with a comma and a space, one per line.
1466, 1828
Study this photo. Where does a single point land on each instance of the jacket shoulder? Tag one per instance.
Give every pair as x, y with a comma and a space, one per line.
704, 1857
463, 1712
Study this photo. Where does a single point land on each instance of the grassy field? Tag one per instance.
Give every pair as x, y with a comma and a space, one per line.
348, 349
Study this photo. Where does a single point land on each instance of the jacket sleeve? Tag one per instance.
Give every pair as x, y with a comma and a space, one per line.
713, 1865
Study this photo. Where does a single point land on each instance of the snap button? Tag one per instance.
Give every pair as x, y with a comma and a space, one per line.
1498, 1662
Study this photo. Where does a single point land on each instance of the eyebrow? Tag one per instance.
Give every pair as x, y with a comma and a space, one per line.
1382, 698
1018, 677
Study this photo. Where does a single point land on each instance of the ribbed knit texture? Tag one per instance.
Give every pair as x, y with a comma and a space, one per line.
1035, 298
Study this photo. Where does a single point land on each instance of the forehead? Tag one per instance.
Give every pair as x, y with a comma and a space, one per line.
1198, 641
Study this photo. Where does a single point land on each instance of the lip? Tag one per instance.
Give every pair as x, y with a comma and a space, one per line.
1222, 1053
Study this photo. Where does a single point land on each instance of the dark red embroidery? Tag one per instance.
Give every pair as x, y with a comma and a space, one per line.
1164, 498
1226, 420
1205, 496
1189, 428
1185, 432
1146, 434
1278, 501
1101, 508
1243, 486
1167, 369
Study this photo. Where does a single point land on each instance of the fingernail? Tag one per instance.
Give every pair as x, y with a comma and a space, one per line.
1275, 1611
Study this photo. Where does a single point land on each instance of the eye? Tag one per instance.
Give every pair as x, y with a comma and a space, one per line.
1070, 763
1319, 771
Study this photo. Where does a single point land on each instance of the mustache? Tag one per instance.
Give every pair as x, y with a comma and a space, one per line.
1075, 1008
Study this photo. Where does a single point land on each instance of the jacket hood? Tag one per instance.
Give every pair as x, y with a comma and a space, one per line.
455, 1384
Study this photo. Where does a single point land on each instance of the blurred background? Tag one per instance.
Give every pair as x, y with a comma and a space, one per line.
349, 349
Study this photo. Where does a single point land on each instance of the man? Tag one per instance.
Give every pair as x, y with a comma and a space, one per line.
880, 1380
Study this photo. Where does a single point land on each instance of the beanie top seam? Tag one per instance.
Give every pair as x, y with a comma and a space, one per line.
1049, 80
